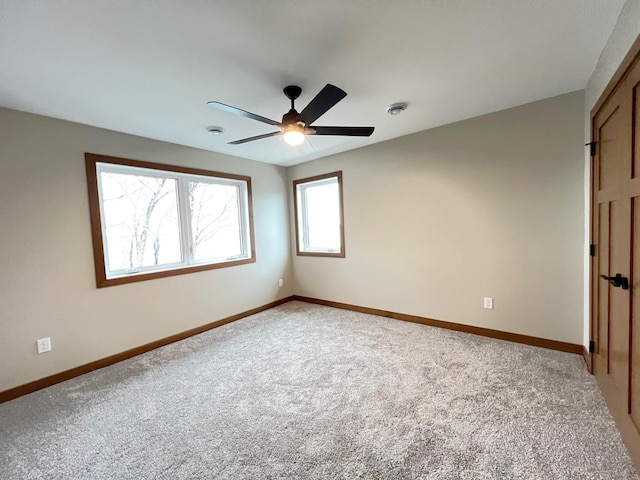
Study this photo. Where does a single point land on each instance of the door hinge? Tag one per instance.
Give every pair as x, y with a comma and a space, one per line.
592, 250
592, 346
592, 148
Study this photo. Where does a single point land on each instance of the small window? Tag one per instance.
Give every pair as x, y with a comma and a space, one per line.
150, 220
319, 217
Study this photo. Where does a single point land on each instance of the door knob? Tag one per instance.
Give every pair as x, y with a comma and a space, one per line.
617, 281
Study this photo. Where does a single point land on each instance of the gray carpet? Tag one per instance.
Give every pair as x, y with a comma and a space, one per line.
309, 392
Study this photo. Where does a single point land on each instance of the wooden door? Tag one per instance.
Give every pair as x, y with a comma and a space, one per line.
615, 268
632, 192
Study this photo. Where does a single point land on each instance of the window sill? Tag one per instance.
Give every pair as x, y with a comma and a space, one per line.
321, 254
141, 277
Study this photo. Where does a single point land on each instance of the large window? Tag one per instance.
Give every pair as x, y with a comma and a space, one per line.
319, 217
150, 220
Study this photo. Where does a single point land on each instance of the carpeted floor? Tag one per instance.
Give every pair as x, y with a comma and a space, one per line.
309, 392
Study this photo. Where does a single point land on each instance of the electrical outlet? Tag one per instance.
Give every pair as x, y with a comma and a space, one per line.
280, 282
44, 345
488, 303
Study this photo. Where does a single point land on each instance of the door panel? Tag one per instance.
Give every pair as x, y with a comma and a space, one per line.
636, 150
618, 299
635, 308
610, 150
602, 320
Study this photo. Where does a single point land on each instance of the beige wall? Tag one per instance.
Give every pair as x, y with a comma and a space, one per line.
47, 283
437, 220
624, 34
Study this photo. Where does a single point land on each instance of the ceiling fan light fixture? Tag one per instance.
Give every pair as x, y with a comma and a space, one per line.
293, 135
295, 126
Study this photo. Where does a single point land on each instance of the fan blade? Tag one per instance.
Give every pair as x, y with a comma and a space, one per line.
346, 131
237, 111
257, 137
321, 103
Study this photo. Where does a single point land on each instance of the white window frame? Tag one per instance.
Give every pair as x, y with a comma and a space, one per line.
97, 164
301, 220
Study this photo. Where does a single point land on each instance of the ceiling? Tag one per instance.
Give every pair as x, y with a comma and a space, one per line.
148, 68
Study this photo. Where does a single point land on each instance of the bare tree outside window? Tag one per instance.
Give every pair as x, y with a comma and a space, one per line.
141, 214
141, 217
150, 220
215, 220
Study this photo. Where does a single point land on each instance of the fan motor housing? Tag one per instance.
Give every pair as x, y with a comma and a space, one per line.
290, 117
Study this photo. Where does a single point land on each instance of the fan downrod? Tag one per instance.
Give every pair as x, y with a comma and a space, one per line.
292, 92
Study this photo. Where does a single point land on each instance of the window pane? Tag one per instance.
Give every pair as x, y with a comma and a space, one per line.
159, 220
141, 221
215, 221
323, 217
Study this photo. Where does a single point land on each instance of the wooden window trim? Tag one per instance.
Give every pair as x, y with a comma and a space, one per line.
96, 221
341, 253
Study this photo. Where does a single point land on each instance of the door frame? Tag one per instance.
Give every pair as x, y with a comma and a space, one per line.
628, 431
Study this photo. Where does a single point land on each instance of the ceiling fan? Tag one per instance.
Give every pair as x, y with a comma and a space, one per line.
294, 126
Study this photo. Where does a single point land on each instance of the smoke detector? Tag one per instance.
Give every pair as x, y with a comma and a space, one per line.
215, 130
396, 108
